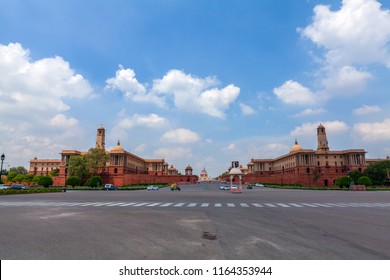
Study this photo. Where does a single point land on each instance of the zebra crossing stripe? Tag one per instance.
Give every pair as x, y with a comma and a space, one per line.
166, 204
128, 204
102, 204
308, 204
283, 205
193, 204
270, 205
113, 204
141, 204
322, 205
89, 204
178, 204
153, 204
257, 205
296, 205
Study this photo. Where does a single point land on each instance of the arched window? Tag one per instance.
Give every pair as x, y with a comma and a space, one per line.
115, 170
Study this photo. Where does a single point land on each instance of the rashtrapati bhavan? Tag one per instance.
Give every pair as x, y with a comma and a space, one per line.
123, 168
307, 167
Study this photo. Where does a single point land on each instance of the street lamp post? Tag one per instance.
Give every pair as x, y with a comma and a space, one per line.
1, 168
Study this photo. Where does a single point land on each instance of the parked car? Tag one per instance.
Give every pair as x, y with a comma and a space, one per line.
4, 187
152, 188
110, 187
259, 185
224, 187
18, 187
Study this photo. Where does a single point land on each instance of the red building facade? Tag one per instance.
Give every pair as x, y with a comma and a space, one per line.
307, 167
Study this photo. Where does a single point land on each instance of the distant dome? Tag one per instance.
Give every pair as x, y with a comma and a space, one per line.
118, 147
296, 147
235, 171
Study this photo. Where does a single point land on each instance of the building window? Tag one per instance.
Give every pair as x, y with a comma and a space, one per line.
115, 170
308, 170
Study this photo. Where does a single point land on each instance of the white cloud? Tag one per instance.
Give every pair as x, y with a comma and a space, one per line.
173, 153
140, 149
372, 132
310, 112
292, 92
36, 94
189, 93
334, 127
246, 109
37, 86
230, 148
193, 94
367, 109
137, 120
352, 38
180, 135
125, 82
357, 33
346, 81
62, 121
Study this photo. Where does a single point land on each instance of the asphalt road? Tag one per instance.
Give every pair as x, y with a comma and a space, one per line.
199, 222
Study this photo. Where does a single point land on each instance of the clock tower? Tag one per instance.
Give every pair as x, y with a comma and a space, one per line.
100, 137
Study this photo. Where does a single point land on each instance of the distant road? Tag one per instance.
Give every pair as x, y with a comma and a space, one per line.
199, 222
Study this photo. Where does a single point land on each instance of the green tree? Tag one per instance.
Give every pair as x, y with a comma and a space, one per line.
45, 181
18, 178
18, 170
378, 172
96, 161
355, 175
28, 178
54, 172
343, 181
365, 180
73, 181
36, 179
94, 181
78, 167
11, 176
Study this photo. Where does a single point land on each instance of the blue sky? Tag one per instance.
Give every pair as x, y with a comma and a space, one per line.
195, 82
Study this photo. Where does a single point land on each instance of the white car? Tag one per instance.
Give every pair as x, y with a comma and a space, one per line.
224, 187
152, 188
259, 185
4, 187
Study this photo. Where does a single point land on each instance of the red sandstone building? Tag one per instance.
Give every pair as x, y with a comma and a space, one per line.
123, 167
306, 167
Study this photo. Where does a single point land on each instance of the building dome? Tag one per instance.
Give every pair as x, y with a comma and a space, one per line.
235, 171
296, 147
188, 167
118, 147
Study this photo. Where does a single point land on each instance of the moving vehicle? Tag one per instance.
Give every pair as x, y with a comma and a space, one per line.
110, 187
224, 187
4, 187
18, 187
152, 188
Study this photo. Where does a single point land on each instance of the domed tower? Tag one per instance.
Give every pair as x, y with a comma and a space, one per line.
204, 175
296, 147
100, 138
188, 170
321, 138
